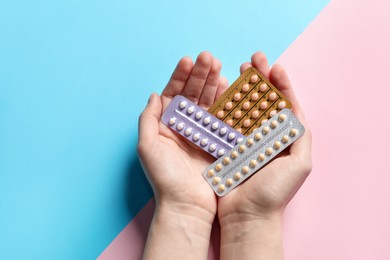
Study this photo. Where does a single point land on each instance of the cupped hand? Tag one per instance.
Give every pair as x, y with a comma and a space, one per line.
267, 192
173, 165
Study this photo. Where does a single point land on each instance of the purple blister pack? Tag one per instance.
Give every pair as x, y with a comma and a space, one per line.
200, 127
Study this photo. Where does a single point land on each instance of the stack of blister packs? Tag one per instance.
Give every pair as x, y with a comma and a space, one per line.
244, 129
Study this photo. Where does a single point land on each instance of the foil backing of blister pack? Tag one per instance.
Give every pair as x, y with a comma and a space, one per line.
252, 153
200, 127
249, 102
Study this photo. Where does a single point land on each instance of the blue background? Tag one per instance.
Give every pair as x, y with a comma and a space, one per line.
74, 76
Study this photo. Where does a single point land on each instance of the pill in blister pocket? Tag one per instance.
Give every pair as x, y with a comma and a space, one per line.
255, 151
248, 102
200, 127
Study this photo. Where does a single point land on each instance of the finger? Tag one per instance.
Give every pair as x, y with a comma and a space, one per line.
279, 78
244, 66
211, 86
148, 123
179, 78
301, 149
197, 79
223, 85
260, 62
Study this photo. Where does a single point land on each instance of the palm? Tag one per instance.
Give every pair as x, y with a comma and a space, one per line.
267, 190
173, 165
272, 187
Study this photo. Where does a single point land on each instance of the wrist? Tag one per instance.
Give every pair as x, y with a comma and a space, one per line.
194, 218
244, 236
175, 233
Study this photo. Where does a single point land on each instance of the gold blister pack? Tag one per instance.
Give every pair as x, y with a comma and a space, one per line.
250, 101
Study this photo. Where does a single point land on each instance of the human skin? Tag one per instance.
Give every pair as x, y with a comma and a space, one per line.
250, 215
185, 204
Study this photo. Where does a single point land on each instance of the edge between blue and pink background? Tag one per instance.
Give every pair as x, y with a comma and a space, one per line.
74, 77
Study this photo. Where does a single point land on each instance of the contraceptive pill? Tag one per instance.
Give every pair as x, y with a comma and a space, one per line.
200, 127
249, 102
254, 152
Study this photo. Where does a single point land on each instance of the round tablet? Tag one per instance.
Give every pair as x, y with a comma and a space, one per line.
272, 96
238, 114
237, 96
220, 114
246, 105
254, 78
229, 122
245, 169
207, 120
257, 136
180, 126
188, 131
210, 173
247, 122
239, 130
216, 180
274, 124
240, 139
285, 139
214, 126
241, 148
229, 182
198, 115
218, 167
249, 142
245, 88
223, 130
196, 137
277, 145
221, 188
264, 105
204, 141
282, 104
261, 157
293, 132
237, 176
269, 151
234, 154
264, 121
255, 96
266, 130
221, 152
282, 117
190, 110
263, 87
182, 104
252, 163
226, 160
229, 105
255, 114
212, 147
272, 113
172, 120
231, 136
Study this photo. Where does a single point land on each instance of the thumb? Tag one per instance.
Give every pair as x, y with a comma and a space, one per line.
148, 123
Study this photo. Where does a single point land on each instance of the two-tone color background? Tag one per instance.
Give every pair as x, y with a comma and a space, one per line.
74, 76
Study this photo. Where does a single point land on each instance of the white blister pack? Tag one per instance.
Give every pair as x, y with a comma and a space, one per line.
255, 151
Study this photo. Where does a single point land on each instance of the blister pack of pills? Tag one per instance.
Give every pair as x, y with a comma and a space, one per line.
200, 127
255, 151
249, 102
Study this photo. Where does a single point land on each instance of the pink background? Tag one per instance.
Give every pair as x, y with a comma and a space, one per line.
340, 70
